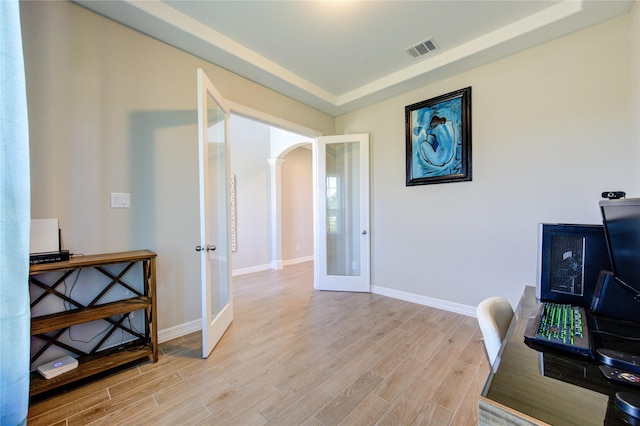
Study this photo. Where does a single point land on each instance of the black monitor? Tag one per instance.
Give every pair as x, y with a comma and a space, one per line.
621, 220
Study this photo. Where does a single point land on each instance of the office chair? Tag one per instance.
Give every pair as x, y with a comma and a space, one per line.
494, 316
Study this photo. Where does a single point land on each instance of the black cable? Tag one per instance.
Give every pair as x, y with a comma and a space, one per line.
68, 307
133, 327
87, 341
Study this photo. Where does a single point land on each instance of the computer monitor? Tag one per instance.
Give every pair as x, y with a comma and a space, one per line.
621, 220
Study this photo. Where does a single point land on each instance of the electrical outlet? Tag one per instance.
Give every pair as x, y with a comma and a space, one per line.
120, 200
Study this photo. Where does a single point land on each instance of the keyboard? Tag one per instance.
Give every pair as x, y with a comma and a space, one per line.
560, 326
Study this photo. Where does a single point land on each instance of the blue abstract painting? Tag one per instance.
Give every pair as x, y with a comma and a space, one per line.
438, 139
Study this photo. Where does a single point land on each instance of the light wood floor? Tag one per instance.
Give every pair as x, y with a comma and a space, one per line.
295, 356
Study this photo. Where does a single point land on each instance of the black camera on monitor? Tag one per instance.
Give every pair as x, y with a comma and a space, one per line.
614, 195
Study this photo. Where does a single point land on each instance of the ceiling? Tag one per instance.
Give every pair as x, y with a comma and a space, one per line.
338, 56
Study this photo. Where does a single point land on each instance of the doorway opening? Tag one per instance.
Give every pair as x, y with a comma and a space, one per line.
272, 195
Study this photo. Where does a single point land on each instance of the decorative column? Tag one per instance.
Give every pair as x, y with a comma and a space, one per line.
276, 212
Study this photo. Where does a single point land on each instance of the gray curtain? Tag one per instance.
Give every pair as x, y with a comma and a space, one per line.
15, 213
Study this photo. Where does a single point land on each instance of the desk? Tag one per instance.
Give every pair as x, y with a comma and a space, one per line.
528, 387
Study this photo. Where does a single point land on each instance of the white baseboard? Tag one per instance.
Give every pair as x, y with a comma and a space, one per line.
426, 301
290, 262
251, 270
277, 264
196, 325
269, 266
179, 330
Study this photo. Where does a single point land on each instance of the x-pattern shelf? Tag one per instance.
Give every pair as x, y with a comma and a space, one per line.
50, 327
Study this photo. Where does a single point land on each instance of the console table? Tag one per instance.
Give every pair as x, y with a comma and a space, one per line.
540, 387
84, 301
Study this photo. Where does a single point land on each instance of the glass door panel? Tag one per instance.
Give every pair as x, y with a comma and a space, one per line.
343, 209
342, 213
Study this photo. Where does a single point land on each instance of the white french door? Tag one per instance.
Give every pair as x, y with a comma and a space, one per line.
217, 302
342, 255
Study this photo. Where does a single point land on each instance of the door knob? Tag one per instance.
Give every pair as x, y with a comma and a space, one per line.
364, 232
209, 247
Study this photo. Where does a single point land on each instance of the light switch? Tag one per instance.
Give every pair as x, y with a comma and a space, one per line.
120, 200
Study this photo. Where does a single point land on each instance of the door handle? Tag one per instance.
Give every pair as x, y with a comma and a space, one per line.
364, 232
209, 247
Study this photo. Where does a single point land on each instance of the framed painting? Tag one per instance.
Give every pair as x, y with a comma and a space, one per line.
438, 139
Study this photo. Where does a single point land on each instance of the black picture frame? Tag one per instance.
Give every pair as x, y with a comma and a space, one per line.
438, 139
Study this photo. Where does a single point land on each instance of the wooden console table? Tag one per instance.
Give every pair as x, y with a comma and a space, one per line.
141, 345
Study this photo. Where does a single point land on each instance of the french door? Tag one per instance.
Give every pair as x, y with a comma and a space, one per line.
213, 147
342, 213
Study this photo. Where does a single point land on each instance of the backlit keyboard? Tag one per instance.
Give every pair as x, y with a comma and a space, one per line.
562, 326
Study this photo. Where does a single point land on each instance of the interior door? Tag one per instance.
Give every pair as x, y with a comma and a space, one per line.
217, 302
342, 255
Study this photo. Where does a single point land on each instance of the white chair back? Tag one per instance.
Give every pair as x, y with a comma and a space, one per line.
494, 316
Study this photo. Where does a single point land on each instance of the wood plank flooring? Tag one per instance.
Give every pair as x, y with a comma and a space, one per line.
295, 356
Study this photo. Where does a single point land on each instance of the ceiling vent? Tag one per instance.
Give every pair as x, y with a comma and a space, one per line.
422, 48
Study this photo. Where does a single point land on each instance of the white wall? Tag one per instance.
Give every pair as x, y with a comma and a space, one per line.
297, 205
252, 144
250, 149
553, 127
296, 186
283, 141
111, 109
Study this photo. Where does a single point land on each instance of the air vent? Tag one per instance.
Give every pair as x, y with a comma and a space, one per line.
422, 48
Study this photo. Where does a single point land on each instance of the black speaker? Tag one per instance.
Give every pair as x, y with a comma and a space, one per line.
570, 260
611, 299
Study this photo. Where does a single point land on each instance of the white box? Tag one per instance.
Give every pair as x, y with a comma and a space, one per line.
58, 366
44, 236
